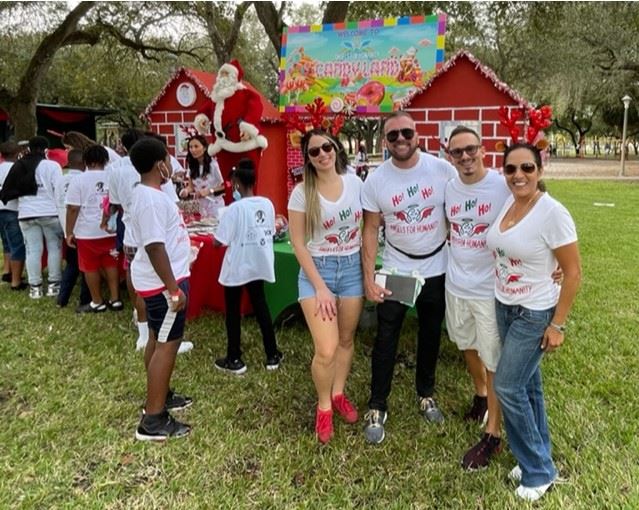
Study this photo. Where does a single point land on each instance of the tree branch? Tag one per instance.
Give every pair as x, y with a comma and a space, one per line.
335, 12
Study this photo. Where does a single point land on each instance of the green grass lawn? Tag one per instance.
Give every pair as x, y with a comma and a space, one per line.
71, 388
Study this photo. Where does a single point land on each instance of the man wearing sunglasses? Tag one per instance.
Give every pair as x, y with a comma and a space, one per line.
473, 202
408, 192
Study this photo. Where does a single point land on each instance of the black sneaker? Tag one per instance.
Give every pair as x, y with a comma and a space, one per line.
6, 277
478, 457
479, 410
91, 308
177, 402
273, 362
160, 428
236, 367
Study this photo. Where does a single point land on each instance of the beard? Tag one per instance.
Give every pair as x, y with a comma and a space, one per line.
225, 87
403, 156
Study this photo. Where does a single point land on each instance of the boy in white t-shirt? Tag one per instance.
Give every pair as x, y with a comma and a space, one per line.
247, 227
160, 274
96, 248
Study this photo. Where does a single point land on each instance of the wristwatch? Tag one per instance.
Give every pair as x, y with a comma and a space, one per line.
559, 327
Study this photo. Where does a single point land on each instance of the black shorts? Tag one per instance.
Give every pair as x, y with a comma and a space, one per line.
167, 325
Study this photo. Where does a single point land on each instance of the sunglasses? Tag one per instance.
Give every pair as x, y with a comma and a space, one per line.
326, 147
471, 150
393, 135
527, 168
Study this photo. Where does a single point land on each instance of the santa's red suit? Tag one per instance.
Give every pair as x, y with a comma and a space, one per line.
232, 110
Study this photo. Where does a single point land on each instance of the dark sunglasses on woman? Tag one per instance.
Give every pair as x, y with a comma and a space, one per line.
527, 168
393, 135
326, 147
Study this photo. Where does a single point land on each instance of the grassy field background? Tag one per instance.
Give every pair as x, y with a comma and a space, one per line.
71, 388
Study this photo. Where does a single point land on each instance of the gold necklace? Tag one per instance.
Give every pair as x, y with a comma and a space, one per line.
512, 221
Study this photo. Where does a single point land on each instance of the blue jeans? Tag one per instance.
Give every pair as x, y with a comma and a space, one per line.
11, 235
33, 230
520, 391
342, 274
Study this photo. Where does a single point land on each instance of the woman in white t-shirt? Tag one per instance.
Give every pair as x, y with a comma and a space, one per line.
205, 182
532, 233
325, 213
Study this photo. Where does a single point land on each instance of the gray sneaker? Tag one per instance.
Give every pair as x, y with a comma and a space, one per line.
53, 289
429, 410
35, 291
374, 428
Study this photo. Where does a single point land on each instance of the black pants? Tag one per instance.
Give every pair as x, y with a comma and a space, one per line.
69, 277
430, 307
233, 297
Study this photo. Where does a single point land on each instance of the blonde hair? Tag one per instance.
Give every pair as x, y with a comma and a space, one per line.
311, 195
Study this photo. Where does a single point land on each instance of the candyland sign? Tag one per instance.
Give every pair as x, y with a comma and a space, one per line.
360, 66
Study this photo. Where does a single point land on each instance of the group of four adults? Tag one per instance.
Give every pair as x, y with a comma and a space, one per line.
484, 246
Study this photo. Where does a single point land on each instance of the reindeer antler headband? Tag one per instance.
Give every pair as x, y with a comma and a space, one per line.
538, 120
316, 118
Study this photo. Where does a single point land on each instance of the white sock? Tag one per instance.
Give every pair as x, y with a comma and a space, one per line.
143, 331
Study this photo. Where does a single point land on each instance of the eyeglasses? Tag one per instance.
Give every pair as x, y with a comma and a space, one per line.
326, 147
471, 150
393, 135
527, 168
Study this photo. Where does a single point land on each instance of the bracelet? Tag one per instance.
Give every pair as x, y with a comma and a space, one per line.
559, 327
175, 296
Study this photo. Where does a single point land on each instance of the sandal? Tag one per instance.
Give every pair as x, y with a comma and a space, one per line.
115, 306
20, 286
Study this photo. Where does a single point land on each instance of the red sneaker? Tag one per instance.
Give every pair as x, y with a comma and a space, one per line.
324, 425
345, 408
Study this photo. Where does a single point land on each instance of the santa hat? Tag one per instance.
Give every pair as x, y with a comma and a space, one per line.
234, 69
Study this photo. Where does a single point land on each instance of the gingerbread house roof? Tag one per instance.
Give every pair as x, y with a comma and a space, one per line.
484, 70
205, 81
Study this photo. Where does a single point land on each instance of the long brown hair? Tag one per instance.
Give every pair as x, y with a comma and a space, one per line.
311, 195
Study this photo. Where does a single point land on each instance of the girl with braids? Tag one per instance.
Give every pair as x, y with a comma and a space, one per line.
324, 224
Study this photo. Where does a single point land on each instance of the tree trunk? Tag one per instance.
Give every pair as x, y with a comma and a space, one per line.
23, 118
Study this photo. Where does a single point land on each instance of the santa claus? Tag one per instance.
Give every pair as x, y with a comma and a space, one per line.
234, 111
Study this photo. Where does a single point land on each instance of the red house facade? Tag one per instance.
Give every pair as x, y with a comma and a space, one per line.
175, 107
463, 91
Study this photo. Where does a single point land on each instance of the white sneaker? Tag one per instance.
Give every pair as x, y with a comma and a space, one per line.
532, 493
515, 474
140, 345
35, 291
53, 289
185, 347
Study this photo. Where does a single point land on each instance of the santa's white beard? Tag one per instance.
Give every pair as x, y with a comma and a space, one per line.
225, 87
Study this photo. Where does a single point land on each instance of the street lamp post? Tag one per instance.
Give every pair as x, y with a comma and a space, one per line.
626, 103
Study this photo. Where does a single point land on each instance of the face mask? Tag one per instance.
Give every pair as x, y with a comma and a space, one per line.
236, 195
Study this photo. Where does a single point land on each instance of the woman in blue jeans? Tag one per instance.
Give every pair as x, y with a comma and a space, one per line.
532, 234
325, 213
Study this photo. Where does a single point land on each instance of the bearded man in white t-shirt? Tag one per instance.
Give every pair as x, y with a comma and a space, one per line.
473, 202
408, 191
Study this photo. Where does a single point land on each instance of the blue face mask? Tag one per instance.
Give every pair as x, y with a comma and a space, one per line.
236, 195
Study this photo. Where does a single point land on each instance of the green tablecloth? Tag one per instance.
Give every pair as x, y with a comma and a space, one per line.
282, 294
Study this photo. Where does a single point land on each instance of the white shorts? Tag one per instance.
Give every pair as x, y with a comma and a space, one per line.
472, 325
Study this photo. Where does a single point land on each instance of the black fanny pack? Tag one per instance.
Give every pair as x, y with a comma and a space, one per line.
418, 257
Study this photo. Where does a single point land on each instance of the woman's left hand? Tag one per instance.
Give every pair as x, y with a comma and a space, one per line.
552, 339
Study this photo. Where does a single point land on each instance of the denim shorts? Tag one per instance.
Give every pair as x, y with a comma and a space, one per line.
11, 235
341, 273
166, 324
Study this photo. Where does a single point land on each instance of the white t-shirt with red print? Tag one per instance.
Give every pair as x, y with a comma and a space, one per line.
471, 209
412, 204
523, 256
88, 191
155, 218
339, 231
